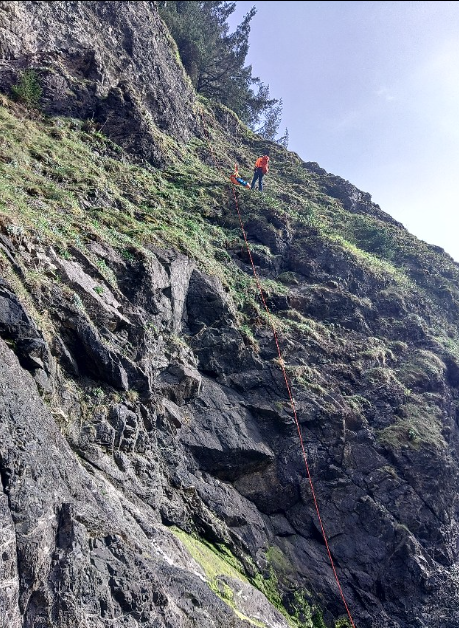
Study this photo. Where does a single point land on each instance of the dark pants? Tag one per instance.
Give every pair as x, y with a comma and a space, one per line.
258, 176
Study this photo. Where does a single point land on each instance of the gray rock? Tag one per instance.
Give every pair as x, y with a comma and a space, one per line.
127, 80
71, 541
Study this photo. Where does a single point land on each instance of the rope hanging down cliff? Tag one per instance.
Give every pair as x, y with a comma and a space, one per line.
289, 390
292, 404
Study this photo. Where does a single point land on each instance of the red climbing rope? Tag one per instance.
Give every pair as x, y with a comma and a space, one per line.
292, 403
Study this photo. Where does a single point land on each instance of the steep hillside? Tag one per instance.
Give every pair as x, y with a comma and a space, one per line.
151, 466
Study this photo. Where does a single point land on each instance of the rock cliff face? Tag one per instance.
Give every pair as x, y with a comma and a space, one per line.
109, 62
150, 464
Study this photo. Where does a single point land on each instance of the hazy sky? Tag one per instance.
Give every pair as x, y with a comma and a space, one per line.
370, 91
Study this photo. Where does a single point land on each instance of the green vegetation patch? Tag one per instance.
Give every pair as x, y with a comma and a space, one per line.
28, 89
222, 568
423, 369
219, 568
418, 425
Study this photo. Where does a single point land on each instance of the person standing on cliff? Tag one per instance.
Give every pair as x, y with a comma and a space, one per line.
261, 168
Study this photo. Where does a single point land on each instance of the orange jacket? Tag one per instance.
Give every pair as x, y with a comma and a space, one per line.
262, 162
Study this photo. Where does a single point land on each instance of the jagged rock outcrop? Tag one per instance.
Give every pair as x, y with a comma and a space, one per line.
108, 62
209, 444
150, 463
75, 548
352, 198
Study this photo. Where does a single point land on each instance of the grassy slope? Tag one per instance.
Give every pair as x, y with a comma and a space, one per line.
63, 184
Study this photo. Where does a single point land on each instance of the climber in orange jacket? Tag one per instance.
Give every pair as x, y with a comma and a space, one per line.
261, 168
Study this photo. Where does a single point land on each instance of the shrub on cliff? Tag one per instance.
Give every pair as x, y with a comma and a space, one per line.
27, 90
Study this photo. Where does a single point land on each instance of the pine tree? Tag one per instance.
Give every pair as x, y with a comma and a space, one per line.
284, 139
271, 120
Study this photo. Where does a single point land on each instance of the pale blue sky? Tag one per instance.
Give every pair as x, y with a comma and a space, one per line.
370, 91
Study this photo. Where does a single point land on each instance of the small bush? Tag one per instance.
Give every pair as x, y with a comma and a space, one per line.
370, 235
28, 90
